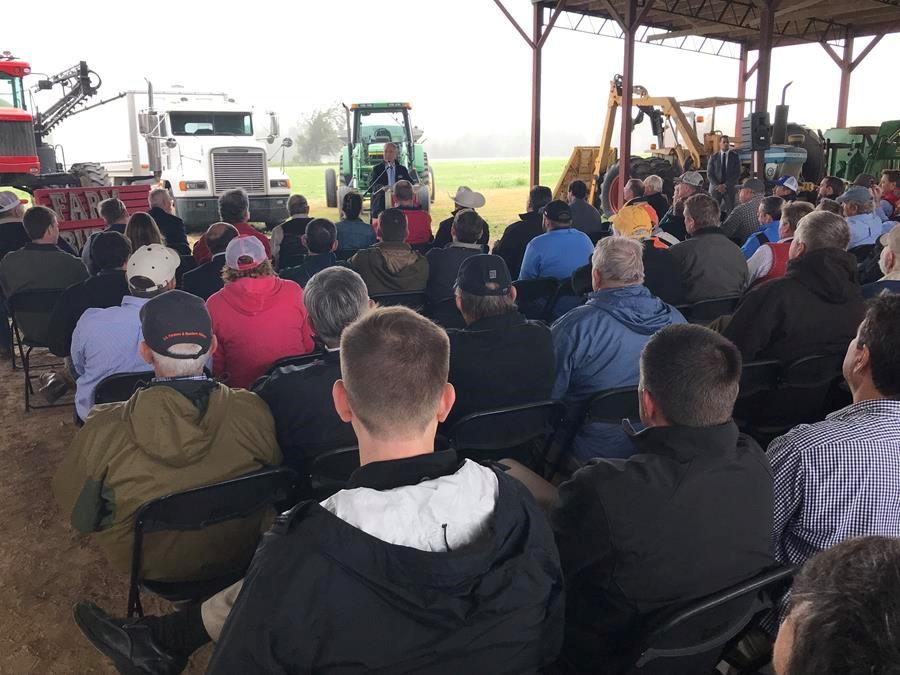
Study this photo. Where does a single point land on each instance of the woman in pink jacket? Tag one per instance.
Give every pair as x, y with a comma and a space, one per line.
257, 317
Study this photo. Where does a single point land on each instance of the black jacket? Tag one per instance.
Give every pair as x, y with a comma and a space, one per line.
662, 275
206, 279
172, 228
306, 423
104, 289
511, 246
444, 237
687, 515
815, 308
292, 250
659, 203
443, 268
311, 264
13, 237
379, 175
500, 361
324, 597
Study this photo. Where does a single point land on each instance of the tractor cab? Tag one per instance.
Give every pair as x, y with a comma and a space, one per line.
12, 91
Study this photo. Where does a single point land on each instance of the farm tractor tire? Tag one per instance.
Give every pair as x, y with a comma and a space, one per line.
640, 168
90, 174
331, 188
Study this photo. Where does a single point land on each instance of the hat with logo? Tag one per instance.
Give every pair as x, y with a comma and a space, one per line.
691, 178
484, 274
558, 211
789, 182
755, 185
245, 253
176, 318
855, 193
154, 263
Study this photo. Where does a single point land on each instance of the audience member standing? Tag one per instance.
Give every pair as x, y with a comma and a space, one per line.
353, 233
464, 198
500, 358
770, 260
723, 171
814, 308
321, 243
288, 248
598, 345
391, 266
712, 266
299, 396
181, 431
257, 317
443, 263
838, 478
162, 210
511, 245
744, 218
206, 279
104, 289
234, 209
584, 216
889, 263
115, 215
106, 340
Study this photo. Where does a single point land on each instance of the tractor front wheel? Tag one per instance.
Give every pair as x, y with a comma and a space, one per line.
331, 188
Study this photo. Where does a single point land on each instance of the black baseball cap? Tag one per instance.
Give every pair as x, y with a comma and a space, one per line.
175, 318
558, 211
478, 271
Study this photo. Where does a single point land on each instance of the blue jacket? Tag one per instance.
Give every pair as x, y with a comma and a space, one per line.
598, 346
865, 228
770, 232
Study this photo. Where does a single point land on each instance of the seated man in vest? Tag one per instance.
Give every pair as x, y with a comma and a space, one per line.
391, 266
181, 431
768, 214
300, 396
418, 222
206, 279
770, 259
500, 358
288, 248
320, 240
423, 563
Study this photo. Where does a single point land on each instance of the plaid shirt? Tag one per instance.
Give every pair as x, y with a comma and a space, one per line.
837, 479
743, 220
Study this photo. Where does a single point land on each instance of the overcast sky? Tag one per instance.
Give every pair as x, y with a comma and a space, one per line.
464, 68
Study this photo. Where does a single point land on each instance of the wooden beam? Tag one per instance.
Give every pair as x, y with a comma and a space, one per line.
752, 69
642, 13
833, 54
865, 52
560, 6
614, 14
514, 23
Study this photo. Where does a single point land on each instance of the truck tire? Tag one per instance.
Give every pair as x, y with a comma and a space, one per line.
431, 184
331, 188
639, 168
90, 174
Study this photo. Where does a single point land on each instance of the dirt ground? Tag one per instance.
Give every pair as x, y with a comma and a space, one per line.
45, 566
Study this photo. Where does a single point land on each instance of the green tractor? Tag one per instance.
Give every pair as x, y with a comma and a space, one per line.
855, 150
369, 127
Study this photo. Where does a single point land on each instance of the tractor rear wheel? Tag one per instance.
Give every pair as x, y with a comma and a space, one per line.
814, 166
431, 183
639, 168
90, 174
331, 188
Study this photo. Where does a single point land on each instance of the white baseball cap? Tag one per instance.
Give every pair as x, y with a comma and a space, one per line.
8, 201
789, 182
154, 262
245, 253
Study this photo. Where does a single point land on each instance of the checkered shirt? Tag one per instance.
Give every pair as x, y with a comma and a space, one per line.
743, 220
837, 479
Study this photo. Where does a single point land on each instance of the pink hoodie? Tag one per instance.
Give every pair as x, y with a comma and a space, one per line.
257, 322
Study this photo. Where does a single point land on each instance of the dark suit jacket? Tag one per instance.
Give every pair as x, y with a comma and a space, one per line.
205, 279
730, 174
172, 228
379, 179
511, 246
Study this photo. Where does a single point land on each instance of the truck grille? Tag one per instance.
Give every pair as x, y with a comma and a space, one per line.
17, 139
239, 168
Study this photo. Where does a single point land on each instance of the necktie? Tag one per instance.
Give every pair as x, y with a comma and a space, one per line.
390, 172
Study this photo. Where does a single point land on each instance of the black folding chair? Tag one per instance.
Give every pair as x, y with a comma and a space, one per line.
197, 509
345, 253
534, 296
415, 300
120, 387
759, 377
422, 248
565, 289
30, 312
503, 432
611, 406
710, 310
445, 313
691, 640
330, 471
188, 263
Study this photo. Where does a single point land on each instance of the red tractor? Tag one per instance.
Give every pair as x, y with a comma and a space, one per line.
27, 161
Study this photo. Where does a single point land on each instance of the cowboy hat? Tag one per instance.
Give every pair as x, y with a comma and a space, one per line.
468, 199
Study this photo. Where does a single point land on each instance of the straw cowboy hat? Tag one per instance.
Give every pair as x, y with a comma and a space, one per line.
466, 198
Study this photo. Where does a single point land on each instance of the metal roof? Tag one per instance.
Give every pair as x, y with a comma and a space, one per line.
796, 21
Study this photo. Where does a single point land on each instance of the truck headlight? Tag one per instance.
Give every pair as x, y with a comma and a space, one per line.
280, 183
186, 185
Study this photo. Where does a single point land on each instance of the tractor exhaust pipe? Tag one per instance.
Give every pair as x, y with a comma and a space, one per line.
779, 128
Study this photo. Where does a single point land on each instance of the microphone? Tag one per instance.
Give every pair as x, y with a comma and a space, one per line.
372, 182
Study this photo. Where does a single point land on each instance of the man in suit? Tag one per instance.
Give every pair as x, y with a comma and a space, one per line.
723, 172
206, 279
162, 209
385, 174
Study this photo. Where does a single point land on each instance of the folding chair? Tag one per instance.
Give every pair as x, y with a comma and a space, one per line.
422, 248
759, 377
533, 296
611, 406
691, 639
187, 264
33, 309
415, 300
345, 253
495, 434
564, 290
330, 471
120, 387
710, 310
196, 509
445, 313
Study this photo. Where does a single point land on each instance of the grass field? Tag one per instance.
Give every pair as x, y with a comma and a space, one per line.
503, 182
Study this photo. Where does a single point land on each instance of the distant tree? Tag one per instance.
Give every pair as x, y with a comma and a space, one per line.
320, 134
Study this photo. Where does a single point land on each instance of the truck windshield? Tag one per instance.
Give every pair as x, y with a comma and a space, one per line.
11, 94
211, 124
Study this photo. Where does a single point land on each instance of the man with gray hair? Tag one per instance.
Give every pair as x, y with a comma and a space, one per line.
162, 210
234, 209
598, 344
814, 308
384, 175
299, 396
653, 193
181, 430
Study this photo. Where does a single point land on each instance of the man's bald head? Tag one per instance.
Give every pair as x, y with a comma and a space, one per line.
218, 235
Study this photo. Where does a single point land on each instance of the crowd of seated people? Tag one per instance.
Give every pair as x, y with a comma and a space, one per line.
502, 566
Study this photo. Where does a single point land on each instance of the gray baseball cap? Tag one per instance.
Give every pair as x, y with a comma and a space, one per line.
855, 193
691, 178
